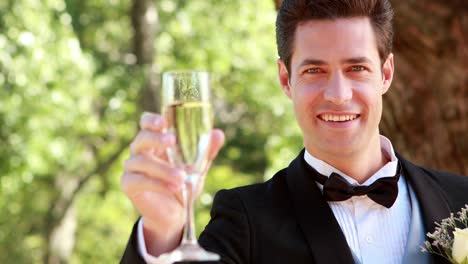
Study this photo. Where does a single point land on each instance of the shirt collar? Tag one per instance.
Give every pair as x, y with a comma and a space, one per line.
387, 170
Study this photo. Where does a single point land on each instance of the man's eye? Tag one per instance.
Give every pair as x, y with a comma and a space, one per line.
357, 68
313, 70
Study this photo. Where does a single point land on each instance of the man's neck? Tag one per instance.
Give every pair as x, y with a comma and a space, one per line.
357, 165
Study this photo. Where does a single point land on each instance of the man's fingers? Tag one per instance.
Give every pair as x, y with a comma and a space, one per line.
133, 184
147, 140
217, 141
151, 121
157, 169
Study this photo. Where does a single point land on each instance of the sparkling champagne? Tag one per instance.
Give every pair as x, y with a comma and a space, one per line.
191, 123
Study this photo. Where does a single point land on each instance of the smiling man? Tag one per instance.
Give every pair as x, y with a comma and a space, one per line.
347, 197
336, 81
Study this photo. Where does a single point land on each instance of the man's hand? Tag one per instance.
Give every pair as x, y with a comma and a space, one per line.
154, 186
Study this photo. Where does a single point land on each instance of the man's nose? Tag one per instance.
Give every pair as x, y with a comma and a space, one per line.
338, 90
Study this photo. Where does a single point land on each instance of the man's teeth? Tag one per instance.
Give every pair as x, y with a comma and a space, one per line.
338, 118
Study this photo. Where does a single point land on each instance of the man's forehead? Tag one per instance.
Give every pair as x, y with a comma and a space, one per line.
349, 23
339, 40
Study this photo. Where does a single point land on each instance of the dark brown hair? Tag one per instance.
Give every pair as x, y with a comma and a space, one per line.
294, 12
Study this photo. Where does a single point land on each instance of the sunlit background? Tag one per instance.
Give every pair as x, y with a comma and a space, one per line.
71, 96
76, 75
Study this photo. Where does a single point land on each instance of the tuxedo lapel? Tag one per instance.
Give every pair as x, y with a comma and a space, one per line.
323, 233
434, 204
432, 200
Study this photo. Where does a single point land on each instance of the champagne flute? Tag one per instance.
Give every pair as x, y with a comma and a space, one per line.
187, 109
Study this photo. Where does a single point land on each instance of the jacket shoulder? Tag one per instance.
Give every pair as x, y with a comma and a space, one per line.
454, 186
447, 180
234, 215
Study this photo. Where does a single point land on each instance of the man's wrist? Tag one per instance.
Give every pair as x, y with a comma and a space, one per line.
152, 243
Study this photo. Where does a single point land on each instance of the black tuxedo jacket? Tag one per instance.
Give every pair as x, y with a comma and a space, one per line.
286, 220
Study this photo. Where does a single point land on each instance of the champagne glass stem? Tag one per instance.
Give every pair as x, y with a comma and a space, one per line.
188, 193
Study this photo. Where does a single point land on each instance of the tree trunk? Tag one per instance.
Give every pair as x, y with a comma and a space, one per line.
61, 237
61, 220
145, 21
425, 113
60, 224
277, 4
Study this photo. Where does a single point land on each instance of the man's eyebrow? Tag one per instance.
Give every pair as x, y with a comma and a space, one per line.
312, 62
356, 60
344, 61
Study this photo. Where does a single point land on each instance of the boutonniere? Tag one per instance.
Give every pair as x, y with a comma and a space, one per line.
452, 247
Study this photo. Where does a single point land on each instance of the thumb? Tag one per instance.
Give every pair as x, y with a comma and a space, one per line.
217, 141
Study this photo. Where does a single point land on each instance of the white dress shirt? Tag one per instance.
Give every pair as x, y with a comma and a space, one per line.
142, 245
374, 233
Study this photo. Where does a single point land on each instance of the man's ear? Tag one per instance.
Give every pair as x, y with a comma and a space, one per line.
388, 69
284, 77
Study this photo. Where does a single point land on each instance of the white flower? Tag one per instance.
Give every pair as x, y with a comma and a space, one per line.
460, 245
454, 249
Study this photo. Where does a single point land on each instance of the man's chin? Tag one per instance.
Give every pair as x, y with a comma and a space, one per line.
335, 148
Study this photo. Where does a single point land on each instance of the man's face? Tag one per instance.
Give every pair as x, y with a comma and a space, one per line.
336, 83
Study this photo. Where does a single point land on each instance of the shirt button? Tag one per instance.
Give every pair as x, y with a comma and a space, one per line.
369, 239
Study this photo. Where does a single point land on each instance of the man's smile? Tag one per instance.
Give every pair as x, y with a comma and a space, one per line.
338, 117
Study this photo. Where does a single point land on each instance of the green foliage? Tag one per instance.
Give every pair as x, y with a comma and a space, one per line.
68, 102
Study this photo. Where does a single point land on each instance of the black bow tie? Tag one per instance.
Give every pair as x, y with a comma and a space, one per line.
383, 191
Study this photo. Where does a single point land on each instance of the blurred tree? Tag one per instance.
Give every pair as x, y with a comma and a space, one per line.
75, 79
76, 75
425, 113
65, 122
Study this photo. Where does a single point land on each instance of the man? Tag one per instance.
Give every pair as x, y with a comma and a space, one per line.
335, 65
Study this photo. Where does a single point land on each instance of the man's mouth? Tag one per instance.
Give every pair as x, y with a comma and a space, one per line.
338, 118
